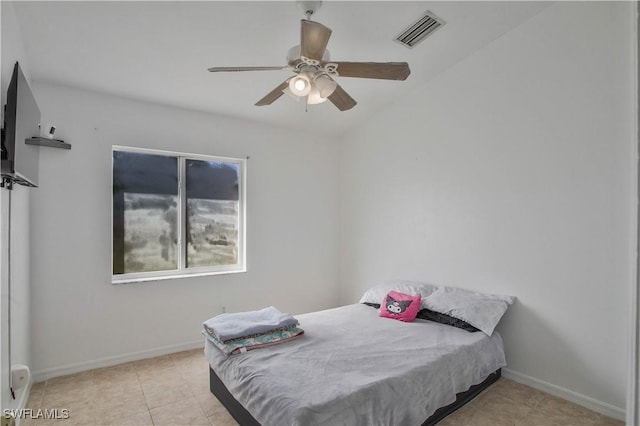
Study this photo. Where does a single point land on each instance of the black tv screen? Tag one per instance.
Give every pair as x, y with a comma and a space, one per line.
20, 162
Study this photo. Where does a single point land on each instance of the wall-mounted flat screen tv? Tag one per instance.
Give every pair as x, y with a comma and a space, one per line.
20, 162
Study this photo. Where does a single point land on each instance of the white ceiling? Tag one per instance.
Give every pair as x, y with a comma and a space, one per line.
160, 51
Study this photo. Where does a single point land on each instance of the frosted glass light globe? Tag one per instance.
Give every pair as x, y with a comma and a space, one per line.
300, 85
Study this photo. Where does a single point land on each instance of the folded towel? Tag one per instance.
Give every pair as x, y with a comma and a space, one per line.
259, 341
240, 324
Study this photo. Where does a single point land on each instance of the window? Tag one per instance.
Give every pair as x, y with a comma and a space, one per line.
176, 215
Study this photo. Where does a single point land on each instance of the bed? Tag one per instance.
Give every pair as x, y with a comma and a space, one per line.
353, 367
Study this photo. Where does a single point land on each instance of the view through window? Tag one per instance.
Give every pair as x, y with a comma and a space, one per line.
176, 214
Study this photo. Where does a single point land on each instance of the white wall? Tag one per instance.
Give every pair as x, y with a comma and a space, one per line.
633, 394
12, 51
509, 173
512, 173
80, 319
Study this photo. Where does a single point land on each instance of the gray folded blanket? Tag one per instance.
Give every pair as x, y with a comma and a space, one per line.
240, 324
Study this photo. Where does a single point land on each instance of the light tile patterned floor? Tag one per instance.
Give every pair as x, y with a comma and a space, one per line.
174, 390
509, 403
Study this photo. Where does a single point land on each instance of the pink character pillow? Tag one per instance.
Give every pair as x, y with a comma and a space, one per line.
400, 306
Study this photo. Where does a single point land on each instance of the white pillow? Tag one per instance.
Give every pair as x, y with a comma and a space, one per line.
377, 293
481, 310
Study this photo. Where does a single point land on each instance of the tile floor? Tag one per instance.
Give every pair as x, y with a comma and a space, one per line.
174, 390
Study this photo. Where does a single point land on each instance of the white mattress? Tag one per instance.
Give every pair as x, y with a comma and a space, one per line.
353, 367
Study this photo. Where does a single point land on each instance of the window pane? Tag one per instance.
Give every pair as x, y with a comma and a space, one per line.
213, 213
145, 215
150, 232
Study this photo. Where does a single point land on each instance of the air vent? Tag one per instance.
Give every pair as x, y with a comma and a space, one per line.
421, 29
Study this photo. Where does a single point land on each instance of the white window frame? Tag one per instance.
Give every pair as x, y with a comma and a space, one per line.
181, 271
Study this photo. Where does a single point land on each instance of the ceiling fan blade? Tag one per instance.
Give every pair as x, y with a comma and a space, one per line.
341, 99
379, 70
273, 95
221, 69
314, 38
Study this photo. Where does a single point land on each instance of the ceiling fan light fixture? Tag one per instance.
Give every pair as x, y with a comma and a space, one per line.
300, 85
289, 93
315, 97
324, 85
314, 74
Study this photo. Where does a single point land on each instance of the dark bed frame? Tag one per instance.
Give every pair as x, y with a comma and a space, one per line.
242, 416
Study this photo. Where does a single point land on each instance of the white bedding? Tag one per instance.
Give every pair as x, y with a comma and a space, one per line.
353, 367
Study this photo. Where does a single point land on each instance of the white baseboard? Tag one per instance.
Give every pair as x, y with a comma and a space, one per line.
48, 373
575, 397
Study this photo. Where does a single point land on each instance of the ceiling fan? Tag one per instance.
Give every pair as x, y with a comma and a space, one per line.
315, 72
